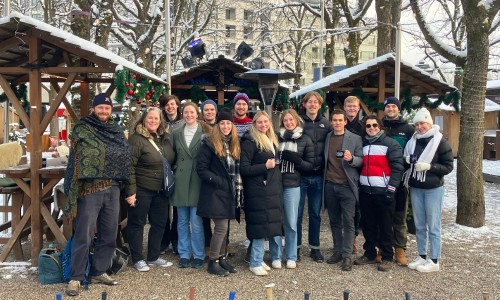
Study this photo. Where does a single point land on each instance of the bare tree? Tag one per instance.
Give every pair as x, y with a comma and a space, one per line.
388, 15
473, 24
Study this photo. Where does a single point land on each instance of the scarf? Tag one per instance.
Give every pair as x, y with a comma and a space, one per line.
233, 168
100, 155
372, 139
426, 156
289, 143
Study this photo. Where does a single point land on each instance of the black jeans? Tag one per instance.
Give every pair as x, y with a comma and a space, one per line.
170, 234
207, 230
154, 206
377, 214
98, 209
341, 202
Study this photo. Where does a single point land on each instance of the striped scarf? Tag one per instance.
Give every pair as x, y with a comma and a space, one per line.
233, 168
289, 143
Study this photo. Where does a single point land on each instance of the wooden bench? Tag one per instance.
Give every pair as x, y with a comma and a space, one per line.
14, 206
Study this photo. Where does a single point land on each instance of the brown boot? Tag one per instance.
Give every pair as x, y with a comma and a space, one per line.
378, 259
354, 246
400, 257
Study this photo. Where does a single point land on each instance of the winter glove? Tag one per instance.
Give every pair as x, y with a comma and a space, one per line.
390, 194
421, 166
291, 156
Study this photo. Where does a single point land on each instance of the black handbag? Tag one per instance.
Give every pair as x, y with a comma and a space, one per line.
168, 174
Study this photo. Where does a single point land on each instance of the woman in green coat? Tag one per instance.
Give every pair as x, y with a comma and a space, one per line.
187, 142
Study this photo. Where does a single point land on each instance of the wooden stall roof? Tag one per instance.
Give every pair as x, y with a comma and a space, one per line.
377, 76
214, 76
34, 52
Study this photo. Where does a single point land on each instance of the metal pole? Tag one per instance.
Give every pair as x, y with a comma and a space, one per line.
397, 67
322, 7
168, 62
6, 122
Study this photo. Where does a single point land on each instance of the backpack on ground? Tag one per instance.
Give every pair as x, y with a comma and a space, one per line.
50, 266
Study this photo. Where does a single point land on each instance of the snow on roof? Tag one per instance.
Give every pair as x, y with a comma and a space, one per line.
81, 43
493, 84
489, 106
336, 77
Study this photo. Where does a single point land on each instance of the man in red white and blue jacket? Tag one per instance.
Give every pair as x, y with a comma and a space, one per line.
380, 176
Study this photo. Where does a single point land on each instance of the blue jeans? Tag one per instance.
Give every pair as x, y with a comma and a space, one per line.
427, 205
190, 240
312, 186
257, 254
291, 200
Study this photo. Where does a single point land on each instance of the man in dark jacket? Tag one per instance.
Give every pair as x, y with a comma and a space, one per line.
343, 158
398, 129
311, 183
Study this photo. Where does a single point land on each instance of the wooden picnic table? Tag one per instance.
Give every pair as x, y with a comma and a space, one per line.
50, 176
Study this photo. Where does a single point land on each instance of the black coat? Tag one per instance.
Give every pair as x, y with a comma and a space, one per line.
263, 192
305, 148
317, 130
217, 196
441, 165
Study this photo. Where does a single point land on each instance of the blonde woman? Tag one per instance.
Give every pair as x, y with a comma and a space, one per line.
263, 192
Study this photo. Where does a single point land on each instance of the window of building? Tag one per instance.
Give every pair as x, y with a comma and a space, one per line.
231, 31
366, 55
370, 39
314, 65
339, 53
231, 49
315, 53
230, 13
248, 32
248, 15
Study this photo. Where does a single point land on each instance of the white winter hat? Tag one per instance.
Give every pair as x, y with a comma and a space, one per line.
423, 115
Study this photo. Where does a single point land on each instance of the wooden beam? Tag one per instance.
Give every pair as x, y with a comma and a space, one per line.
351, 78
9, 43
431, 89
84, 99
65, 70
68, 106
381, 84
365, 89
220, 94
111, 88
57, 101
204, 87
15, 101
13, 70
35, 96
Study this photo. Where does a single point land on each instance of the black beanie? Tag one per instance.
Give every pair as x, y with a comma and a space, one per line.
102, 98
224, 114
392, 100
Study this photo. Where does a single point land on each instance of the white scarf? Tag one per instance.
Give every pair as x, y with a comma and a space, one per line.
289, 143
426, 156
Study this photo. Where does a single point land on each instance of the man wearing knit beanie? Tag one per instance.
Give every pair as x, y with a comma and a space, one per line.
209, 111
398, 129
241, 120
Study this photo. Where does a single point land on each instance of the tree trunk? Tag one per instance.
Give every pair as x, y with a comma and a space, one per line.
470, 207
395, 19
383, 8
352, 51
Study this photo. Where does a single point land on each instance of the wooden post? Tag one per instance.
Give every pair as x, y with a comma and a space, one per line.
191, 293
35, 94
269, 292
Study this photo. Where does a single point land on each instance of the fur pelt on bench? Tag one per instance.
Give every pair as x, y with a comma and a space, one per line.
10, 155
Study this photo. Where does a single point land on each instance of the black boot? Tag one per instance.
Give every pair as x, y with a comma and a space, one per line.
216, 269
224, 264
298, 254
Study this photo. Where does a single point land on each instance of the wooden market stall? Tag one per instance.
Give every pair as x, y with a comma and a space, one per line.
36, 53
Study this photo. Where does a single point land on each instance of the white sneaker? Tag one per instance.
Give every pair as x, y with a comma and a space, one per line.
417, 261
290, 264
259, 271
141, 266
160, 262
276, 264
428, 266
265, 266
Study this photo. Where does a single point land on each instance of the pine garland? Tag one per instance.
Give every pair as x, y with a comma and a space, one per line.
135, 88
21, 93
197, 94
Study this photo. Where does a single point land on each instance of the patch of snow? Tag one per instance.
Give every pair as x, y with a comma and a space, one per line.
493, 84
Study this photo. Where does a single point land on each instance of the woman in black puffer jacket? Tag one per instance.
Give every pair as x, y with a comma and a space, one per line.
263, 191
297, 155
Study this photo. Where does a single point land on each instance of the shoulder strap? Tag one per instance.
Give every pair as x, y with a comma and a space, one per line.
154, 144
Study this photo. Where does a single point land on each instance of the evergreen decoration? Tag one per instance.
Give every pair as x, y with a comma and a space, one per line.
197, 94
406, 100
21, 93
372, 104
452, 98
281, 102
133, 87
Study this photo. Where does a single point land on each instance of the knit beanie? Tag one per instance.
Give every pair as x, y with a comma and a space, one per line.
102, 98
209, 101
392, 100
224, 114
423, 115
241, 96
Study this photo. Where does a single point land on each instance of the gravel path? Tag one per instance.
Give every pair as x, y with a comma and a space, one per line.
468, 268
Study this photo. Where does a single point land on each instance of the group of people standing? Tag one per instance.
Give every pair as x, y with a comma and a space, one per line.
226, 161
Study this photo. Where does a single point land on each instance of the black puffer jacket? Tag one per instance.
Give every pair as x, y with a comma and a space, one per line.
147, 167
263, 192
398, 130
317, 130
305, 148
441, 165
217, 197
